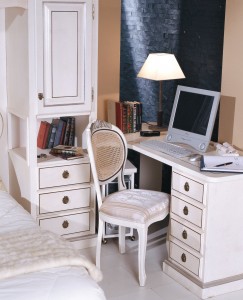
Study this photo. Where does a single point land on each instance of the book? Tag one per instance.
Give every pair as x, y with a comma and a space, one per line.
119, 116
54, 124
43, 134
217, 163
66, 149
67, 152
58, 135
63, 132
67, 131
72, 132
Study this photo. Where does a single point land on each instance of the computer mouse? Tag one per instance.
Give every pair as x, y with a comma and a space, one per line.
194, 157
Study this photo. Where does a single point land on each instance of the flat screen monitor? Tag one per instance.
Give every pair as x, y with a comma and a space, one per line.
193, 116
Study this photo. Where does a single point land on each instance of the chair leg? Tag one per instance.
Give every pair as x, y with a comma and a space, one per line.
121, 238
99, 242
142, 245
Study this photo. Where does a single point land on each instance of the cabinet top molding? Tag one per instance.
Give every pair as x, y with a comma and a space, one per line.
14, 3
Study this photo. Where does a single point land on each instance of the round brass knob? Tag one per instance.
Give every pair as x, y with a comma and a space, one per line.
186, 187
65, 174
185, 210
183, 257
65, 224
40, 96
184, 234
65, 200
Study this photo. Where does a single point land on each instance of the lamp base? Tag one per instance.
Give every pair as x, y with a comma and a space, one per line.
159, 126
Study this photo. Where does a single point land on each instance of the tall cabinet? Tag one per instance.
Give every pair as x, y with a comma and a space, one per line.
51, 49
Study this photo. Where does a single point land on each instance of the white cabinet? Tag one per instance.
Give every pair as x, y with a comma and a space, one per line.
205, 244
64, 51
51, 66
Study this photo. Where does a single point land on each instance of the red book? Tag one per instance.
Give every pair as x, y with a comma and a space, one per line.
43, 134
119, 115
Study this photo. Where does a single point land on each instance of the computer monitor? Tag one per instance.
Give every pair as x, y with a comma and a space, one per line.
193, 116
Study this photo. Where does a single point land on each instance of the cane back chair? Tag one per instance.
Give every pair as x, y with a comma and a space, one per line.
134, 208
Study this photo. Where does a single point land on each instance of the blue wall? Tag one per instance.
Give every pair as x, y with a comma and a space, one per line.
191, 29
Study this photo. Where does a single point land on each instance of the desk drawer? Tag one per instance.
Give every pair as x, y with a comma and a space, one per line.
64, 175
188, 187
186, 211
64, 200
185, 235
185, 258
67, 224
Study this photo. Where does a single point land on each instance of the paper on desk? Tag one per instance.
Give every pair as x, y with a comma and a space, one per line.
217, 163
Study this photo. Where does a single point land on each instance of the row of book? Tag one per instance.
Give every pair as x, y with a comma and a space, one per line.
126, 115
61, 131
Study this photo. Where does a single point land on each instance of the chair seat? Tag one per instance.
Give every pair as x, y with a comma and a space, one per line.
135, 205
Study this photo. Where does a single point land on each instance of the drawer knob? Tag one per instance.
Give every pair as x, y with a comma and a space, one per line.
65, 200
65, 174
186, 187
65, 224
184, 234
40, 96
183, 257
185, 210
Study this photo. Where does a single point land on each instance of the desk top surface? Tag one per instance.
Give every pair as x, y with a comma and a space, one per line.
178, 164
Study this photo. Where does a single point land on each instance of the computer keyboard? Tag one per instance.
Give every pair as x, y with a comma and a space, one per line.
168, 148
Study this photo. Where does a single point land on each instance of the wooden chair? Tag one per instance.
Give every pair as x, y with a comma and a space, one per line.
133, 208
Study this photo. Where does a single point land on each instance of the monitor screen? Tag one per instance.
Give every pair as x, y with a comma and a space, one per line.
193, 116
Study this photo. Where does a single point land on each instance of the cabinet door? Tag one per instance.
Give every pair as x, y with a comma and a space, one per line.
64, 53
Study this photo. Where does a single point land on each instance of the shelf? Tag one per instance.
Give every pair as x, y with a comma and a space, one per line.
51, 160
14, 3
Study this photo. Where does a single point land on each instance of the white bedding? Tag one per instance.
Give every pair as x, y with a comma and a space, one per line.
53, 284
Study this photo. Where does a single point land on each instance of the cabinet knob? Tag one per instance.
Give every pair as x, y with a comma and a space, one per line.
65, 224
185, 210
186, 187
65, 200
183, 257
65, 174
40, 96
184, 234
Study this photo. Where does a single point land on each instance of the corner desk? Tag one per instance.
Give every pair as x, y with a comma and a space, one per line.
205, 234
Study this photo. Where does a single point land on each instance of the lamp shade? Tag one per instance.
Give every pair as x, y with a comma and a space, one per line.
161, 66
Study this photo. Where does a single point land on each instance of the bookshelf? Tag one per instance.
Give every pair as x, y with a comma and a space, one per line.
39, 94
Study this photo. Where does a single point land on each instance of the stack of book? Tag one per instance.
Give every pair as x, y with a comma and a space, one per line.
126, 115
67, 152
61, 131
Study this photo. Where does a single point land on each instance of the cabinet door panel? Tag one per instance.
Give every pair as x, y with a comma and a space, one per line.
64, 54
64, 63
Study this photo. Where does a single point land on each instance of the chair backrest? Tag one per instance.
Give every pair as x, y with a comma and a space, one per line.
107, 149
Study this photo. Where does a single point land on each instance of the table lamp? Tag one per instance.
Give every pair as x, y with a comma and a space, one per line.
160, 66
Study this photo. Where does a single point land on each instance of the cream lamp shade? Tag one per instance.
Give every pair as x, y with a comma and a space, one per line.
159, 67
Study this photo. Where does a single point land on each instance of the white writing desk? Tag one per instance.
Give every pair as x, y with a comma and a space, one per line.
206, 224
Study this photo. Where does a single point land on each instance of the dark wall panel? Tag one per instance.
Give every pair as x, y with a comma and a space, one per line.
191, 29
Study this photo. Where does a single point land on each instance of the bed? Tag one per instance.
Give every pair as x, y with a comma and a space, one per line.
53, 279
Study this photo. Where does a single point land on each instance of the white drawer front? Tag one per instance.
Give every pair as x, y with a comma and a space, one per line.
64, 175
185, 258
67, 224
186, 235
64, 200
186, 211
188, 187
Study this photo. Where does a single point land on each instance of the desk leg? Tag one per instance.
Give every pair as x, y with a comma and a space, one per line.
150, 176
